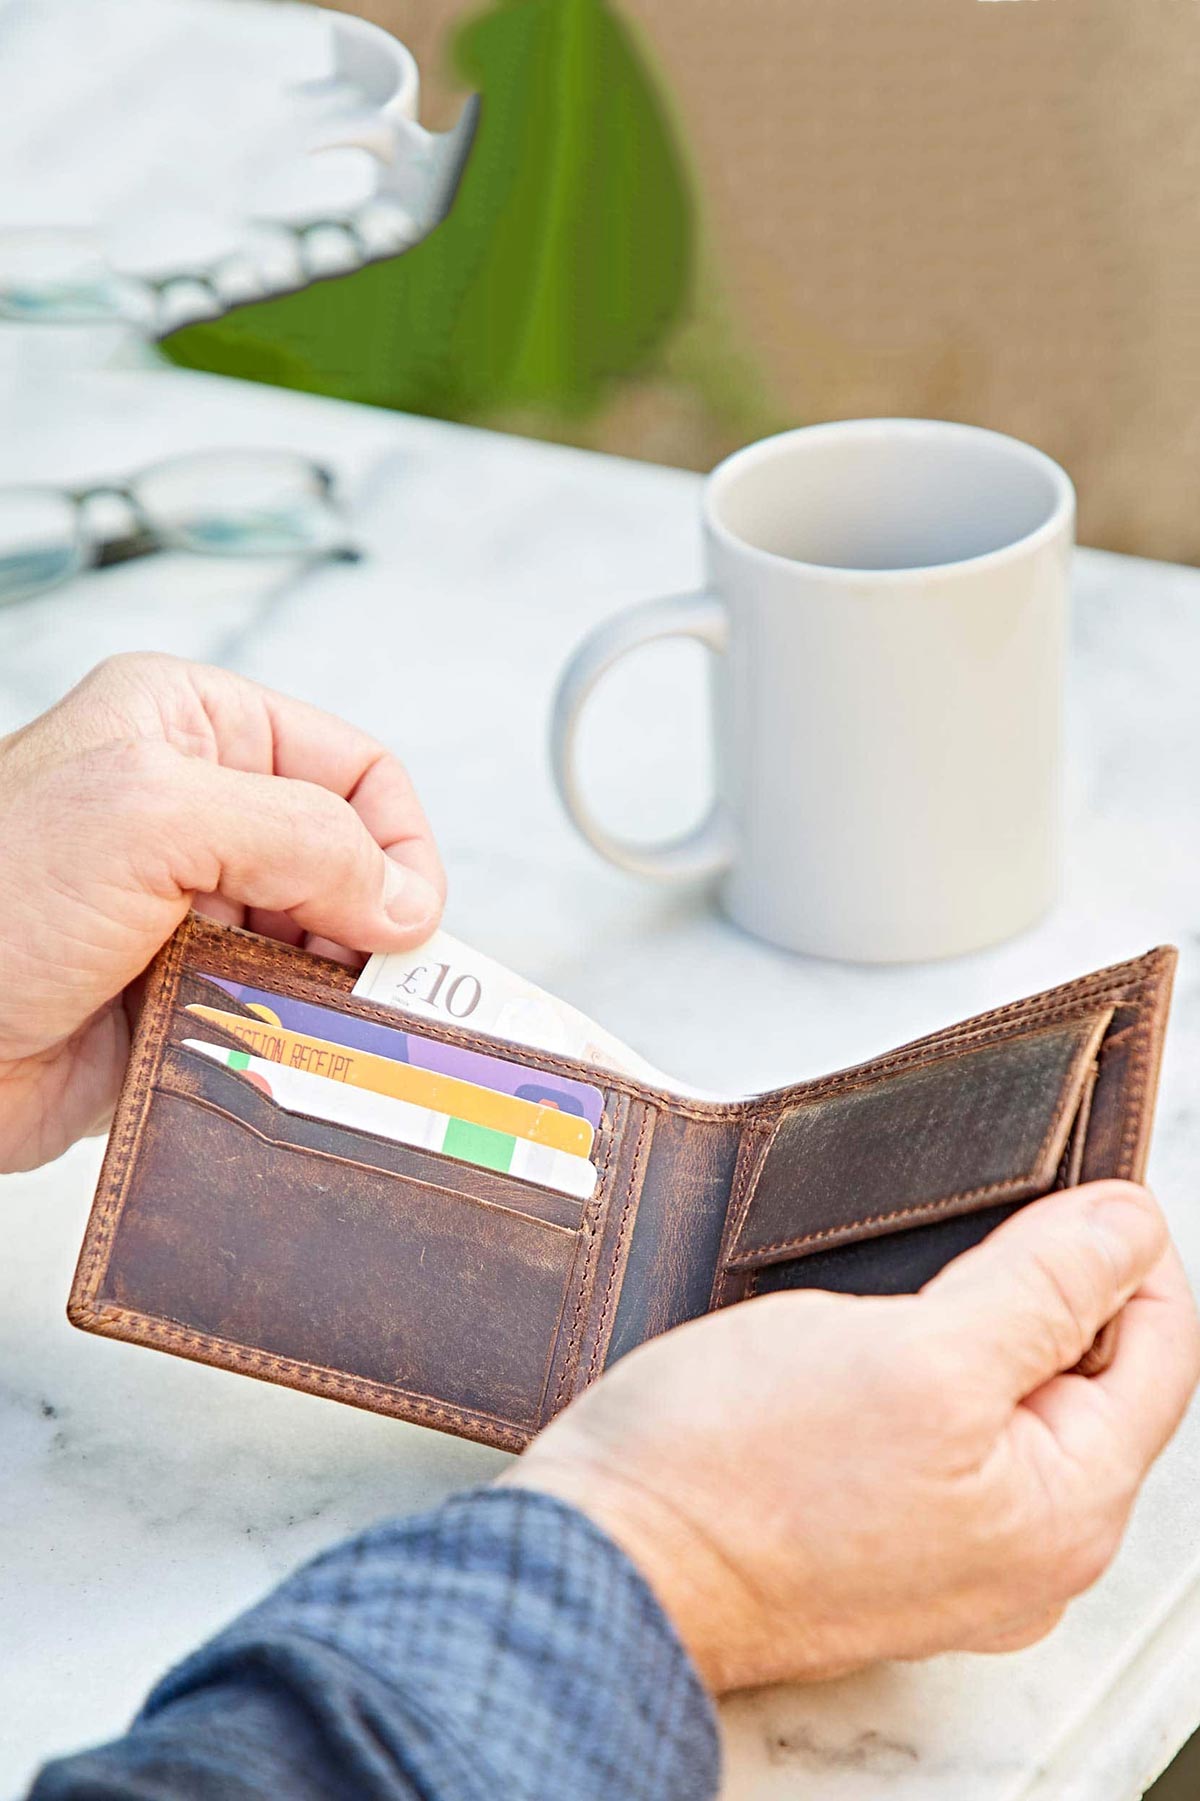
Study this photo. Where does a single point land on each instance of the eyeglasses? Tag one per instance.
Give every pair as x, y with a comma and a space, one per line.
221, 503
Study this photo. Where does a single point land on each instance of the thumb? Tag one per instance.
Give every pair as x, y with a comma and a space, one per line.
293, 847
1026, 1304
121, 840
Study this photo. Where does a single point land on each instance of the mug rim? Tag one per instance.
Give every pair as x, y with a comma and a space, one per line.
764, 449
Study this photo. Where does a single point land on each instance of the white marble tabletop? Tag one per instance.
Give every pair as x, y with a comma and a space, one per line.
144, 1498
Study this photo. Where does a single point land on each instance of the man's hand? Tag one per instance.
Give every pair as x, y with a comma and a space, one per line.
156, 785
811, 1482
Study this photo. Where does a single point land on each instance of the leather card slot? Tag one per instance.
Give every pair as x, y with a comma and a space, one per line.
197, 990
977, 1129
295, 974
311, 1254
230, 1093
183, 1024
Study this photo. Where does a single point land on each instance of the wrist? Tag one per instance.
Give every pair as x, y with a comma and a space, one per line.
705, 1600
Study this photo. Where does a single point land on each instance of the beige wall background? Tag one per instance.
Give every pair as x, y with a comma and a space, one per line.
974, 209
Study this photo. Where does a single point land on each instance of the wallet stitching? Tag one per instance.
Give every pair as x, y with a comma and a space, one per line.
648, 1113
591, 1233
175, 958
1143, 1073
947, 1050
750, 1163
1124, 983
1100, 984
311, 988
1084, 1055
1133, 1089
575, 1233
593, 1225
122, 1145
226, 1353
314, 1375
552, 1336
753, 1171
748, 1259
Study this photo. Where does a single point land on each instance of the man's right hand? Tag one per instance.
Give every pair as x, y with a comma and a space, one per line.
811, 1482
152, 787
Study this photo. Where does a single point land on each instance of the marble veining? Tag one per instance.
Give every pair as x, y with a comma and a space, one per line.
146, 1498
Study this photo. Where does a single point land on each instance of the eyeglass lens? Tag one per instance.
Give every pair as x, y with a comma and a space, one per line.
41, 541
240, 503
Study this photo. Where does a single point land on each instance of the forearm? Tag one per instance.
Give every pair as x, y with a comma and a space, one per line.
498, 1646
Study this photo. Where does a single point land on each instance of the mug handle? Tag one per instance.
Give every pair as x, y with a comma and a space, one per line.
707, 850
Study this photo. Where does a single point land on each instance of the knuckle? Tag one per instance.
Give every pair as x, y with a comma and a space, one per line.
135, 774
125, 666
127, 799
148, 768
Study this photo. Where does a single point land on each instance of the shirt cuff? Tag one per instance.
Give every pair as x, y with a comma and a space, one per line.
527, 1645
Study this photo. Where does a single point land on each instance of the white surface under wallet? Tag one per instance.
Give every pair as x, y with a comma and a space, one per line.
145, 1498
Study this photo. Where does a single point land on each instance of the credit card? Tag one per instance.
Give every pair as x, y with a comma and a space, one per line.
342, 1104
537, 1085
443, 1094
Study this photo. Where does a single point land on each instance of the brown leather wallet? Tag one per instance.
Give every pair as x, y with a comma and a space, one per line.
333, 1260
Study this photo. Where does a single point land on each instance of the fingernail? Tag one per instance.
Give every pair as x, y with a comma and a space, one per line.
408, 899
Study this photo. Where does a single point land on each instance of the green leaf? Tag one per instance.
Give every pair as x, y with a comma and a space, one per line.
563, 265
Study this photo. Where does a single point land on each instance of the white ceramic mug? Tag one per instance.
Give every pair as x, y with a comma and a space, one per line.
887, 608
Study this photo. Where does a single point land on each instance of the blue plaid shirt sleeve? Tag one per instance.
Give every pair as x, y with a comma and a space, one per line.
499, 1646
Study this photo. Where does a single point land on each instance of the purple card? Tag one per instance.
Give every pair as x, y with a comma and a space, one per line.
496, 1073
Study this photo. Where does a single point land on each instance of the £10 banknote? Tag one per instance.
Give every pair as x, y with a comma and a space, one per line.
447, 980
